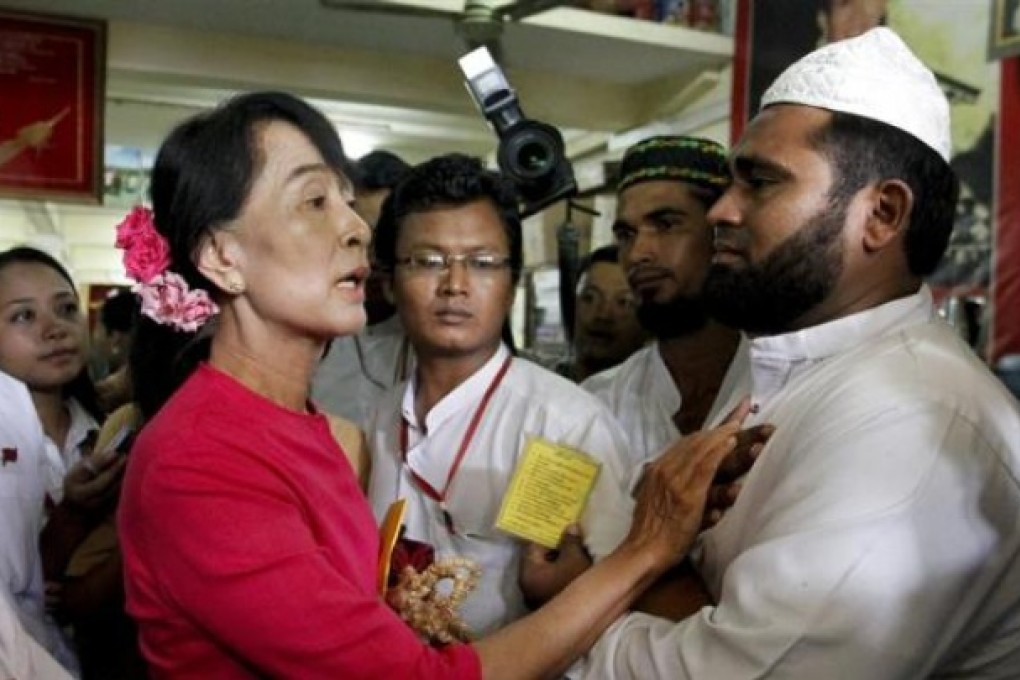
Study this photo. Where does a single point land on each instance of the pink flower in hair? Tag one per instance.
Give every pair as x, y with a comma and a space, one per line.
167, 299
146, 252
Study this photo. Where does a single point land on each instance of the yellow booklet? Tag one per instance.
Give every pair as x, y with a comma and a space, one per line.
548, 492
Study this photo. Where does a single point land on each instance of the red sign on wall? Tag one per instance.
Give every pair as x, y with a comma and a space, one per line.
51, 107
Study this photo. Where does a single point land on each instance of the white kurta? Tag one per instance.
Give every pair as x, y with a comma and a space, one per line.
531, 401
23, 474
642, 395
877, 536
350, 386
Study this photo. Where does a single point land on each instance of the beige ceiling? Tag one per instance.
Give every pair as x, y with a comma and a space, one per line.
603, 80
393, 78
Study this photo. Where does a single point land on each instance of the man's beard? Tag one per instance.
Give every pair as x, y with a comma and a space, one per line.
767, 298
674, 319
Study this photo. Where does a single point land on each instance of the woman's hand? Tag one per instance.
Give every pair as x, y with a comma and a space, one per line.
672, 496
726, 485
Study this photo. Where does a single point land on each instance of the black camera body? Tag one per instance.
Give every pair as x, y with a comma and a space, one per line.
530, 153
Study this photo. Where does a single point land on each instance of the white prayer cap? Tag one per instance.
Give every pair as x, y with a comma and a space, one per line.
874, 76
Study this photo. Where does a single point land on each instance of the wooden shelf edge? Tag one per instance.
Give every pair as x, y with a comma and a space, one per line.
636, 31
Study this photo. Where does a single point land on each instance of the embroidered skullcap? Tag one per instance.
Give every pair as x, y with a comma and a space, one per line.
874, 76
696, 161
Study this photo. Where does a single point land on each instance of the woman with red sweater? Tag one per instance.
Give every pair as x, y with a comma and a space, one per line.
249, 550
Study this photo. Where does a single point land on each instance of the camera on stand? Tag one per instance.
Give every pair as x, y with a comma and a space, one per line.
530, 153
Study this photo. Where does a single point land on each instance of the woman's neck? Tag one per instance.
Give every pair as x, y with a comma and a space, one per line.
283, 375
53, 415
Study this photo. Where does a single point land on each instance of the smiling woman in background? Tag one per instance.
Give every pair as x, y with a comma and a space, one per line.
43, 344
606, 328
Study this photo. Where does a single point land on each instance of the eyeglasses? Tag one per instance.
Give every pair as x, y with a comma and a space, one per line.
435, 262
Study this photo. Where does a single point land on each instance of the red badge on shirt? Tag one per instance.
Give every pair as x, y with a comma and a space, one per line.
10, 455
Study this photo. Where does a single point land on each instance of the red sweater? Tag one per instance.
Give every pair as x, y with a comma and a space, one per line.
249, 549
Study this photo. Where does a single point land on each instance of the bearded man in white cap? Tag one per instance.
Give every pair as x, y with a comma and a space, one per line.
878, 534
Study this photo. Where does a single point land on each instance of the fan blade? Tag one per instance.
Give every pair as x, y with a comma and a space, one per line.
526, 8
383, 8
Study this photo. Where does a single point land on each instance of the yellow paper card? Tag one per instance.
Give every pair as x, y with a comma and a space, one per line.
548, 492
389, 532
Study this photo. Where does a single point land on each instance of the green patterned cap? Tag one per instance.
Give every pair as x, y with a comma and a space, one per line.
697, 161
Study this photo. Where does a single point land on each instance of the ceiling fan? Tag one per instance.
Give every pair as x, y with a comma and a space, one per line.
479, 23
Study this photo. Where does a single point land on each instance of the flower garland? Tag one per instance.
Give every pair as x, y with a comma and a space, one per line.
425, 606
165, 295
415, 593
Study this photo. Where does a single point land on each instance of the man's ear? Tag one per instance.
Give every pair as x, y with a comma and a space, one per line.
889, 216
218, 258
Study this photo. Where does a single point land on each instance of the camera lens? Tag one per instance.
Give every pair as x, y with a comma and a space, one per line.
534, 158
529, 153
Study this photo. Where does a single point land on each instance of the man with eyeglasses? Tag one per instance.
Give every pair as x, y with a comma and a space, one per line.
448, 440
665, 390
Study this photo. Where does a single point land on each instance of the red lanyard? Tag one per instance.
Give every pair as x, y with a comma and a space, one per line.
428, 489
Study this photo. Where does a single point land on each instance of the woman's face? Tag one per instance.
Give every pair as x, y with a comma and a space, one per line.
42, 328
302, 248
606, 327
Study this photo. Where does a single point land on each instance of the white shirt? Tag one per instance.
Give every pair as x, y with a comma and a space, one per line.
21, 657
877, 536
349, 385
530, 401
22, 507
642, 395
60, 459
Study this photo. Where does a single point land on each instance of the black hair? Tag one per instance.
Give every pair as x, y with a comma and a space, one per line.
451, 180
80, 387
863, 150
380, 170
119, 311
827, 6
610, 253
202, 176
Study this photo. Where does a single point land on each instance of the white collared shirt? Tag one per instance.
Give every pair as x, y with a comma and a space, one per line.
530, 401
23, 474
642, 395
60, 459
878, 534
